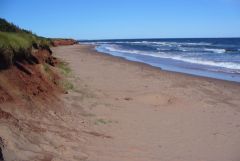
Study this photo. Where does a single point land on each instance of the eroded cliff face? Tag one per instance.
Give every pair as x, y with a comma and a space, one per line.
28, 106
34, 131
29, 78
61, 42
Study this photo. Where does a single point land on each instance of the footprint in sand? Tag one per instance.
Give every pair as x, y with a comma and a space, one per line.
156, 99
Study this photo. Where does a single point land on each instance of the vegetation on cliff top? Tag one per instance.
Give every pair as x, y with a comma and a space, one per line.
17, 43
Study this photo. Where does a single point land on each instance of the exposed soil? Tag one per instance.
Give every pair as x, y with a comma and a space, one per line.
1, 156
5, 115
35, 123
4, 96
62, 42
29, 78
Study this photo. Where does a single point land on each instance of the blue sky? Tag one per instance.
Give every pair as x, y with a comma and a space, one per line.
108, 19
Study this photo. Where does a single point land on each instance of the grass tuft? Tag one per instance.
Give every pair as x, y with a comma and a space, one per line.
46, 67
104, 122
67, 85
64, 68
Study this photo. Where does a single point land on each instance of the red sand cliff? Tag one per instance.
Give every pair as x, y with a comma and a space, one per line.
61, 42
28, 91
28, 77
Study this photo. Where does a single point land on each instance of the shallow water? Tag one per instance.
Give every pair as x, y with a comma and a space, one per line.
216, 58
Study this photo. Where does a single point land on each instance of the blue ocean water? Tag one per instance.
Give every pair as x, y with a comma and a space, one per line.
210, 57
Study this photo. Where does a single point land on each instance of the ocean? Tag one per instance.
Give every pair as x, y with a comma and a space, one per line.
209, 57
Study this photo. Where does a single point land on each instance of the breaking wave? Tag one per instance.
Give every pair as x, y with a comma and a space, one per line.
184, 58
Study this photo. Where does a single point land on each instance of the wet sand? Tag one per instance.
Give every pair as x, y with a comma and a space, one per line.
135, 112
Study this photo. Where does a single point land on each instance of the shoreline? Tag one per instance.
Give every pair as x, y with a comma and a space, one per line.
203, 57
93, 48
136, 112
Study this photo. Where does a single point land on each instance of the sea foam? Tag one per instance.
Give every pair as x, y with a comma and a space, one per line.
193, 60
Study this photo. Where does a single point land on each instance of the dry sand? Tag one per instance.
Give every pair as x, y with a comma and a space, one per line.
134, 112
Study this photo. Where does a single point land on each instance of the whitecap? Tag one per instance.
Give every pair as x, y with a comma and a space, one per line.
200, 61
215, 50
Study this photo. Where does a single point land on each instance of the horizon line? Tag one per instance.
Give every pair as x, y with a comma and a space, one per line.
158, 38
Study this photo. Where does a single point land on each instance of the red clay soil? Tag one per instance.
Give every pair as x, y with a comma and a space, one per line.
4, 96
8, 117
29, 78
30, 108
5, 115
63, 42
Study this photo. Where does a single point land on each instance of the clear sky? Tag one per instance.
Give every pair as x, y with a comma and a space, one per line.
107, 19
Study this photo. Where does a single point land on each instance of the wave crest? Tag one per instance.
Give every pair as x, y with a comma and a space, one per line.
183, 58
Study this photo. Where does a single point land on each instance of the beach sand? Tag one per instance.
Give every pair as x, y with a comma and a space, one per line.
135, 112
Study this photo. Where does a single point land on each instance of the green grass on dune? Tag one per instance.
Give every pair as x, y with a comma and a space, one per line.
13, 45
17, 43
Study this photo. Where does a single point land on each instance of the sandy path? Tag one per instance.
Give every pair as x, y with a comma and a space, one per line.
139, 113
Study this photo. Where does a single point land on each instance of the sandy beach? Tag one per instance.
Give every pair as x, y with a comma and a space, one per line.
120, 80
135, 112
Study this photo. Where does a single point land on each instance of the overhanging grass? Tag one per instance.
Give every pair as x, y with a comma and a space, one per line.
18, 45
14, 46
15, 41
18, 41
